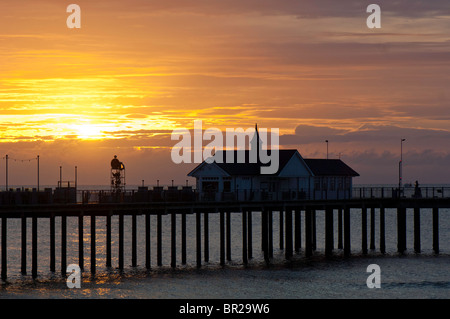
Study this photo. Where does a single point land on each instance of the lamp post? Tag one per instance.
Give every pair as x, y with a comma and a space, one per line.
327, 147
400, 165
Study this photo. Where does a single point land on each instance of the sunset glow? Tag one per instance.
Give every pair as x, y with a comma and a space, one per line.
137, 70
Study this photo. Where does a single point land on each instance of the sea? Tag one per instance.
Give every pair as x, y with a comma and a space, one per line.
411, 275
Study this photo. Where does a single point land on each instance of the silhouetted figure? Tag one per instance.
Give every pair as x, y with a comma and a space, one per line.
417, 191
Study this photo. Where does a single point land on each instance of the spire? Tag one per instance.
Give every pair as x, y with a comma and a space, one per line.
256, 142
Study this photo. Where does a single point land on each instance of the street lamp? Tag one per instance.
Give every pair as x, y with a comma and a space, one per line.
327, 147
400, 165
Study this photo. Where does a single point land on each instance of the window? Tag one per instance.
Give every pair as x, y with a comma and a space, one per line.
227, 186
324, 183
340, 183
347, 182
317, 183
332, 183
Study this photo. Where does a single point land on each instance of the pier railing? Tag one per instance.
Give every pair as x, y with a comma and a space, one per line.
404, 192
61, 195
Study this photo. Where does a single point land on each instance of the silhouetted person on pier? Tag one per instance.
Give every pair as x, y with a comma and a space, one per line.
417, 191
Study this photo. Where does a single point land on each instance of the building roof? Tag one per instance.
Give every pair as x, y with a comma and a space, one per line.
247, 168
329, 167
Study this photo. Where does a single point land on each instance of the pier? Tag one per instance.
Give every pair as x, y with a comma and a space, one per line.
289, 213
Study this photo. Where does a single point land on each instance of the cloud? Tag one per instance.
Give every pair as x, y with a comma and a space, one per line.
367, 133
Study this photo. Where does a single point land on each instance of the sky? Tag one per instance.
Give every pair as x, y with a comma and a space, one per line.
136, 70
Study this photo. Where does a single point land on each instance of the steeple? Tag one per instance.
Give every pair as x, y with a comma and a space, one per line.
256, 142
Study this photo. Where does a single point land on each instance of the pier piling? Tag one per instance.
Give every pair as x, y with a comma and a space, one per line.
108, 240
329, 231
372, 228
63, 245
340, 228
436, 230
347, 247
4, 248
297, 231
382, 231
34, 245
314, 232
159, 239
52, 243
80, 241
401, 229
228, 235
288, 252
244, 237
23, 268
417, 243
173, 242
183, 238
206, 236
222, 237
198, 232
93, 248
364, 230
308, 232
250, 234
147, 241
133, 240
281, 229
270, 233
121, 226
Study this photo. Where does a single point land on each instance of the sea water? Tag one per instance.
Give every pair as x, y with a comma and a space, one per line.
409, 275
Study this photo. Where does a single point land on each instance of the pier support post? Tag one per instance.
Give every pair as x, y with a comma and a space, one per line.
340, 228
314, 232
250, 235
401, 229
228, 235
23, 268
159, 239
80, 241
134, 240
173, 240
288, 252
244, 237
329, 233
436, 230
52, 243
297, 228
198, 232
347, 247
281, 229
108, 240
93, 246
417, 229
308, 232
147, 241
121, 241
264, 233
270, 233
4, 248
372, 228
183, 238
364, 230
206, 235
382, 231
63, 245
222, 238
34, 239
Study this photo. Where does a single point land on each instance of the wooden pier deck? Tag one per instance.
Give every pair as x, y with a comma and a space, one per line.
290, 228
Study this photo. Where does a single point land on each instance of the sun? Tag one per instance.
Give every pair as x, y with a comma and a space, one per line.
88, 131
